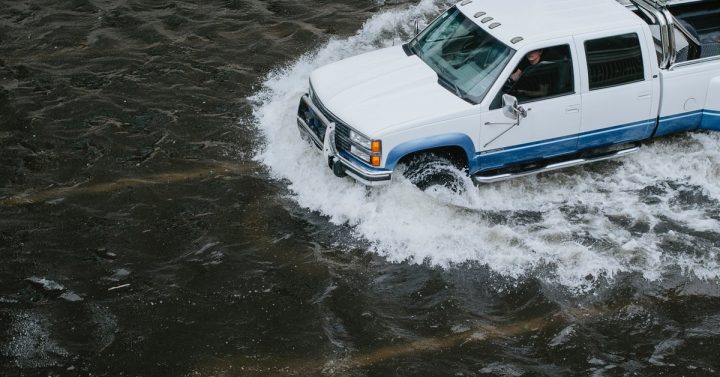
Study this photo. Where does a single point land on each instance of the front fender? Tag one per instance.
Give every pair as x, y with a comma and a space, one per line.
432, 142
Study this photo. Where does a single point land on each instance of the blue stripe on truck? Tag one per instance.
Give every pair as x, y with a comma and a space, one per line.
678, 123
563, 145
710, 120
493, 159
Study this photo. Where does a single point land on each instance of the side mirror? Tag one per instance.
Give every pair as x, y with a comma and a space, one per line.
511, 109
510, 104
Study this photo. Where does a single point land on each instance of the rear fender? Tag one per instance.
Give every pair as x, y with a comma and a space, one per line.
711, 114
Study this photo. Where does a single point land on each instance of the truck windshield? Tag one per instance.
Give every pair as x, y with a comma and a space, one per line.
466, 58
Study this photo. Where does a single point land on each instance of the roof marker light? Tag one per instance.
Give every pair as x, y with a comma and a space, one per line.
494, 25
516, 40
486, 19
479, 14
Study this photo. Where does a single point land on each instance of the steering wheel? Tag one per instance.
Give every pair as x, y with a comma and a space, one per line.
509, 85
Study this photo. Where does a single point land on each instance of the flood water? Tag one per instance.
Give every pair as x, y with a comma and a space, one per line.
159, 216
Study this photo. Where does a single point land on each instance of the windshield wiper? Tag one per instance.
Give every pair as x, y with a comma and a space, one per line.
450, 85
412, 47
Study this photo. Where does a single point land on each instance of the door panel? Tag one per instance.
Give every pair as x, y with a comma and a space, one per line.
619, 91
615, 115
550, 90
550, 129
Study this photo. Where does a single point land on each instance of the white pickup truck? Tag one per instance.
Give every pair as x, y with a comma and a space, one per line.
503, 88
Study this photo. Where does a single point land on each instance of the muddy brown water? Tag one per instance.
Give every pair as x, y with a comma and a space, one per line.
140, 236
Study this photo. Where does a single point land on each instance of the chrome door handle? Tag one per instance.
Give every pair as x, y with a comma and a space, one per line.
572, 109
644, 95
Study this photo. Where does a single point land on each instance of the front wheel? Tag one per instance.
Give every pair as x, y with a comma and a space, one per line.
429, 171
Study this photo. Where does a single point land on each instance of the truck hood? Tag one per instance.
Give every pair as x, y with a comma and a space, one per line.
382, 89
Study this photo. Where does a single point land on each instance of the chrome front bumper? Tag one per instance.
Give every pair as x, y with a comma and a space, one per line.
336, 161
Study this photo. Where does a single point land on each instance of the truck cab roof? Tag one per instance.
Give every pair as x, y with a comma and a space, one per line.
535, 21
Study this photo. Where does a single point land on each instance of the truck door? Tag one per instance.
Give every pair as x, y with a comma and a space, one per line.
619, 89
549, 91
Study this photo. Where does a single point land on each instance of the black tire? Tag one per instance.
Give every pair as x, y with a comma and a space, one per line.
428, 170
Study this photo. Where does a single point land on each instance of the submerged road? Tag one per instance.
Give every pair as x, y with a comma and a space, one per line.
159, 216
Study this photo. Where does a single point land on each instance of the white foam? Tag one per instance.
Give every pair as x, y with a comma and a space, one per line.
571, 226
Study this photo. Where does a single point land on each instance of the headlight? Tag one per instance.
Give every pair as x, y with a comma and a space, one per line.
366, 149
360, 153
360, 140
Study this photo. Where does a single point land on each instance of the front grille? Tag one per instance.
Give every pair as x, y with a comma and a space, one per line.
342, 131
342, 137
306, 114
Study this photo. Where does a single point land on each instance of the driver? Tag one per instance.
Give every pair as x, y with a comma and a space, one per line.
532, 89
532, 58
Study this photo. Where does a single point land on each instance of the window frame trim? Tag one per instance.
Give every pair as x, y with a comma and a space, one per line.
582, 52
575, 65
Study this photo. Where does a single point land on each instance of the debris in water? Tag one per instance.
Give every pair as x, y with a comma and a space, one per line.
48, 285
70, 296
118, 287
103, 253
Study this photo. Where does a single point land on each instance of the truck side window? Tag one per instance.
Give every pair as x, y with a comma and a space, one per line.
550, 76
615, 60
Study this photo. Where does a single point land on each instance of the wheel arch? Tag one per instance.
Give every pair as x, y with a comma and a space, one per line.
458, 147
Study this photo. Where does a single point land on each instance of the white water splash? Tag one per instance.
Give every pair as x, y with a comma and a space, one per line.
574, 226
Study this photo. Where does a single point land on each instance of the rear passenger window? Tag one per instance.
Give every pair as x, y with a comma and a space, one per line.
614, 61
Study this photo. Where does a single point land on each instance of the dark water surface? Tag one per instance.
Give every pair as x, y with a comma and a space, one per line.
141, 236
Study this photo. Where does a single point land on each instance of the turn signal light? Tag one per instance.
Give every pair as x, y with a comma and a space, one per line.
376, 152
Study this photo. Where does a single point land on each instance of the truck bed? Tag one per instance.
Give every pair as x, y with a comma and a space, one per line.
704, 20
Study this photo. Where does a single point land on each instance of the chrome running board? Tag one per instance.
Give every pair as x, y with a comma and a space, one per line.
555, 166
